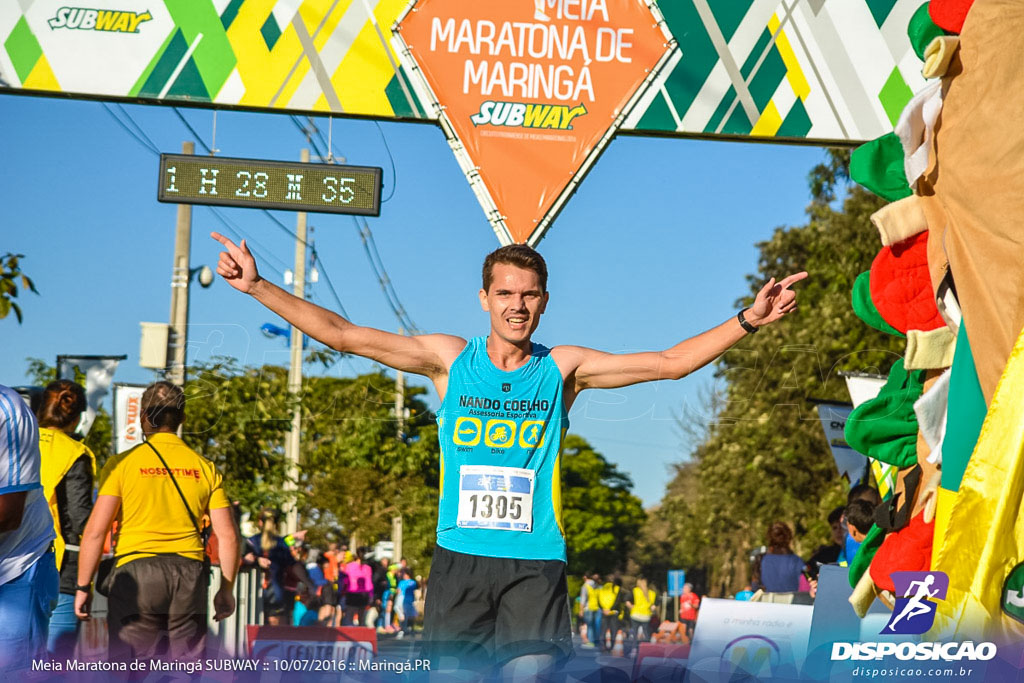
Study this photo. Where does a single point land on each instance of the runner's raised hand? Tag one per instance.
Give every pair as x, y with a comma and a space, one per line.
236, 265
774, 301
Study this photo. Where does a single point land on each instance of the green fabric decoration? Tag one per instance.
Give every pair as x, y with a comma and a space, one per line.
865, 553
922, 30
967, 403
885, 428
865, 308
878, 166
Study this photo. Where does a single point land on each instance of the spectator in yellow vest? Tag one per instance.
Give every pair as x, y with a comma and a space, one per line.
68, 469
590, 611
610, 599
640, 610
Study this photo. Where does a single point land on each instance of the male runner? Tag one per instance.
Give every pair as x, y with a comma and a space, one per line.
497, 585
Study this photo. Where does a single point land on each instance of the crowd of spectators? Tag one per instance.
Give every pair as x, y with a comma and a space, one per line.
305, 585
139, 532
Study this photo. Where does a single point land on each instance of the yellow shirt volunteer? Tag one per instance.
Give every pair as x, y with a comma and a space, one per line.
642, 604
606, 597
58, 452
152, 517
592, 605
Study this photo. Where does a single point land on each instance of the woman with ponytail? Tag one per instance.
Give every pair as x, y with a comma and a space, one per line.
68, 470
271, 553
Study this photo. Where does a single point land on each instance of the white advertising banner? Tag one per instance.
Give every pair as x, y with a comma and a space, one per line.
851, 464
127, 429
736, 640
99, 374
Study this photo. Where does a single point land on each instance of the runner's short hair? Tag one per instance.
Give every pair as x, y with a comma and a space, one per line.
864, 492
163, 404
836, 515
519, 255
861, 514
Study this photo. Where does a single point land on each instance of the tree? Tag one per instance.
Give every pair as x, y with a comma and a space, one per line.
237, 418
354, 473
100, 436
600, 515
10, 276
764, 457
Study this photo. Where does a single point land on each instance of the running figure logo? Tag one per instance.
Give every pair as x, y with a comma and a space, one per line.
916, 593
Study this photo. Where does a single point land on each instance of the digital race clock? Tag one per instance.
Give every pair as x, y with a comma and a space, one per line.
260, 184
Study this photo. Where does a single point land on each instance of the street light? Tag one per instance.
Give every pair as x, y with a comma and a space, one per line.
205, 273
271, 330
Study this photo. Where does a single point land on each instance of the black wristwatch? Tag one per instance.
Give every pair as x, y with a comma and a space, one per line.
745, 324
87, 588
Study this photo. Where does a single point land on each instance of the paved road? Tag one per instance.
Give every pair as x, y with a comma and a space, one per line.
587, 664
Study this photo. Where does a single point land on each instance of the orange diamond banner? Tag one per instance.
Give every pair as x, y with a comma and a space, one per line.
529, 91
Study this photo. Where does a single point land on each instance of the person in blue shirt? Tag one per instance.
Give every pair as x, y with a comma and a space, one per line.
406, 602
745, 594
498, 595
778, 570
860, 516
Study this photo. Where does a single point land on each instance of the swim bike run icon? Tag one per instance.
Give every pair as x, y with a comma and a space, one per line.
529, 92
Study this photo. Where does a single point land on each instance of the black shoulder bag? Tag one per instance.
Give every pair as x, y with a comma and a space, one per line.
106, 568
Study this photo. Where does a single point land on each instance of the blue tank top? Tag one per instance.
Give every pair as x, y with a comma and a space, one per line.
501, 434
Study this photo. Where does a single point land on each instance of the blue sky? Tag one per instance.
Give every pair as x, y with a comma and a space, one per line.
652, 249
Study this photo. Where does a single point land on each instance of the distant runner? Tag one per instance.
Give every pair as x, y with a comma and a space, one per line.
498, 591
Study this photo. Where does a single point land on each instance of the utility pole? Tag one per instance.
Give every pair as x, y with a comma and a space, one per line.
396, 538
177, 341
295, 374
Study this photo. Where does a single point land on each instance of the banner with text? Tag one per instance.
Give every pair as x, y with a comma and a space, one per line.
127, 430
530, 90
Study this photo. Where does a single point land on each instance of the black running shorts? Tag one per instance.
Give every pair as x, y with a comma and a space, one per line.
484, 611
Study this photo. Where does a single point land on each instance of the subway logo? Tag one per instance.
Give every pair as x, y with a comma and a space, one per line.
519, 115
86, 19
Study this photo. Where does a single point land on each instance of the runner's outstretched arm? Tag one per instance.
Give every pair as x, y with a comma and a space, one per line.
429, 354
593, 369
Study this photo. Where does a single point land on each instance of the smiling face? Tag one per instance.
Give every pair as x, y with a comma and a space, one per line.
515, 300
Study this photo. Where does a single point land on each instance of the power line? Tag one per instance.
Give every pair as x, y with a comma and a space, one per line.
284, 227
131, 120
308, 134
319, 134
330, 285
394, 172
369, 246
147, 143
192, 130
390, 295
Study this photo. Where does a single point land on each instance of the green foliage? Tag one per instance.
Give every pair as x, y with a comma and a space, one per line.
101, 434
100, 437
824, 177
764, 457
237, 418
600, 515
354, 474
40, 373
10, 277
